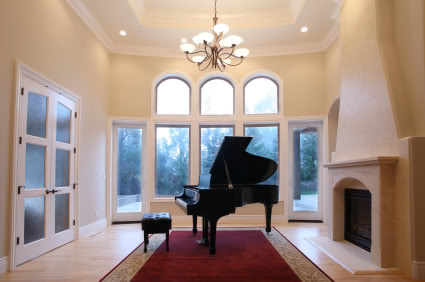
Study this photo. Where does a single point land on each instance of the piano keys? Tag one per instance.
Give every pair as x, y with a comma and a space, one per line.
232, 182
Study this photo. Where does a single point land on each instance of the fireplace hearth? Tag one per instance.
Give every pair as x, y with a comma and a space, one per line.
358, 218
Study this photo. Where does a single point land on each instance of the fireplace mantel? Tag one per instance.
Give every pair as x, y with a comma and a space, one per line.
375, 174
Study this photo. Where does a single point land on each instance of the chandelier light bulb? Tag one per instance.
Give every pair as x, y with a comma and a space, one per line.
187, 47
206, 36
234, 39
241, 52
225, 43
221, 29
197, 40
227, 61
198, 59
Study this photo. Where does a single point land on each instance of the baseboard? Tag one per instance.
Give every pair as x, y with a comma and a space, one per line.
260, 220
92, 228
4, 265
418, 270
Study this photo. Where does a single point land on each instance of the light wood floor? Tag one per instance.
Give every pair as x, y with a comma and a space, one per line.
89, 259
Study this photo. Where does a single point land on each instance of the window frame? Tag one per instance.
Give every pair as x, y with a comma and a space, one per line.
163, 79
172, 125
269, 124
212, 125
214, 77
277, 95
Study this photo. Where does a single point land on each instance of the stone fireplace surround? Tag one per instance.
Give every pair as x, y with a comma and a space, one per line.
376, 175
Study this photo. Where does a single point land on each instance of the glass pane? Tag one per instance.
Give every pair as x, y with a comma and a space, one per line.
265, 144
173, 97
211, 138
62, 168
61, 212
34, 166
261, 97
63, 124
172, 160
217, 98
34, 219
36, 115
129, 194
305, 169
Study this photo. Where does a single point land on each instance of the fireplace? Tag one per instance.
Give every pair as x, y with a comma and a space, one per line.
358, 218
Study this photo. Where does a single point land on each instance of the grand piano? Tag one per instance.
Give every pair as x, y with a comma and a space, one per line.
232, 182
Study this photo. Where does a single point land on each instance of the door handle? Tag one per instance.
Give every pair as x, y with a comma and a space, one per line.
54, 191
48, 191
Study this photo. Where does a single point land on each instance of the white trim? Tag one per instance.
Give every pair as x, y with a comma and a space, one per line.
418, 270
24, 70
184, 220
92, 228
4, 265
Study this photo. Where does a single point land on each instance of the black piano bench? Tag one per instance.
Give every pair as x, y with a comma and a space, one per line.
154, 223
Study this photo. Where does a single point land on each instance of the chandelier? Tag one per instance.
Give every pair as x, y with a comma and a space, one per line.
213, 50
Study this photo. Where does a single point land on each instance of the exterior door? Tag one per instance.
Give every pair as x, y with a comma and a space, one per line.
128, 165
305, 162
45, 209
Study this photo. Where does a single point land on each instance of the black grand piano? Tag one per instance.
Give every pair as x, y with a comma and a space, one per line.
232, 183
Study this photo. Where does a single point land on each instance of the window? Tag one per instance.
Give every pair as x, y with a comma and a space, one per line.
217, 96
172, 159
265, 144
211, 138
129, 170
173, 97
261, 96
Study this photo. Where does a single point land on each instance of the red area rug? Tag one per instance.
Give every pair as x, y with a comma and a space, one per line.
242, 255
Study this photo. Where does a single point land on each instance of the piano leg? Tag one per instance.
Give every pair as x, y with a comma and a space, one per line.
268, 208
204, 240
195, 223
213, 224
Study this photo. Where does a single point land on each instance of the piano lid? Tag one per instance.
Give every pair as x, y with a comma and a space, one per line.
243, 167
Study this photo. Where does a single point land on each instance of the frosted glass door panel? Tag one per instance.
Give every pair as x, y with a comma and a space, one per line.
34, 219
61, 212
35, 161
63, 124
62, 168
36, 115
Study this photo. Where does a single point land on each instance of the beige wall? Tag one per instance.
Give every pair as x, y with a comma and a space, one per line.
51, 39
302, 76
333, 72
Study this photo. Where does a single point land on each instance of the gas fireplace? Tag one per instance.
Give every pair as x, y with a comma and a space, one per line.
358, 218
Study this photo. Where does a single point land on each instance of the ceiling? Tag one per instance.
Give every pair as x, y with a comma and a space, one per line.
156, 27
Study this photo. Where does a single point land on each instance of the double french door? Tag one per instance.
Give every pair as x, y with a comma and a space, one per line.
45, 171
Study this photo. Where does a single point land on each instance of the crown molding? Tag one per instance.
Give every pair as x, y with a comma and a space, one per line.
140, 50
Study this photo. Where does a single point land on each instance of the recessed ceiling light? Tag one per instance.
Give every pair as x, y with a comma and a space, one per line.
184, 40
304, 29
123, 33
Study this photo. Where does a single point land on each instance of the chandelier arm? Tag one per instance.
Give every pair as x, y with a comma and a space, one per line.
240, 62
221, 66
229, 54
199, 65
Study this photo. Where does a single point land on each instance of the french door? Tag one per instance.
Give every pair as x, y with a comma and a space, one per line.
128, 172
305, 162
45, 174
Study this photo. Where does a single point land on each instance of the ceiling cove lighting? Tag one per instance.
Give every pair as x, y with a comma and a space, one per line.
304, 29
123, 33
211, 49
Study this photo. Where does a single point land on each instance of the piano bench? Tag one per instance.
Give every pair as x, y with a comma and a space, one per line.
154, 223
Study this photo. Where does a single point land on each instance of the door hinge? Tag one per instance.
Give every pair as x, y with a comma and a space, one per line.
75, 114
17, 240
74, 185
19, 189
22, 91
20, 139
73, 222
75, 150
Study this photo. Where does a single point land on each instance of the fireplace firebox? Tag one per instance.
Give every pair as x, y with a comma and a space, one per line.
358, 218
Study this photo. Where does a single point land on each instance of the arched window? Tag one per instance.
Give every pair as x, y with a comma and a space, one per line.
261, 96
217, 97
172, 97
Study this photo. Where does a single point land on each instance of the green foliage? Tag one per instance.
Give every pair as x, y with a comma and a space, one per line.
129, 161
211, 139
308, 144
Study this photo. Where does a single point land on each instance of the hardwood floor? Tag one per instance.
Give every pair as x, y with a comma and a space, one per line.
89, 259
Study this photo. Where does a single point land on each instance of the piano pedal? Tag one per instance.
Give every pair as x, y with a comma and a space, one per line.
203, 242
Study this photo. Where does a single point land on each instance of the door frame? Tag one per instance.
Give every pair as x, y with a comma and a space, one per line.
306, 215
113, 193
21, 71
